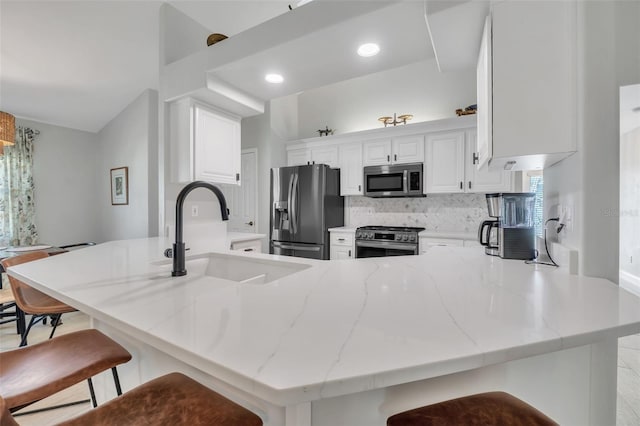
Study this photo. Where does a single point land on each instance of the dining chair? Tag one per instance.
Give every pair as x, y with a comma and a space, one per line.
8, 310
34, 372
488, 408
31, 301
173, 399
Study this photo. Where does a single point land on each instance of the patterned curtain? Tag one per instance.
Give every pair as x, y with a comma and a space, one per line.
17, 209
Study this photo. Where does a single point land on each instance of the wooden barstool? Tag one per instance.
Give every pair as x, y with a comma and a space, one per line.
31, 301
173, 399
490, 408
34, 372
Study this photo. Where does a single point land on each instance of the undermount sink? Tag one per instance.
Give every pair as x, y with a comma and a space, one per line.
239, 268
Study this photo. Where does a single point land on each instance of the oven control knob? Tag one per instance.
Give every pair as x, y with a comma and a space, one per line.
412, 238
398, 237
405, 237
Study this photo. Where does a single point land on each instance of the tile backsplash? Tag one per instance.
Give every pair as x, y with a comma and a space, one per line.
436, 212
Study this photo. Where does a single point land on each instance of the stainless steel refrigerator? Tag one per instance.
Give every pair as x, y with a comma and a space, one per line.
305, 203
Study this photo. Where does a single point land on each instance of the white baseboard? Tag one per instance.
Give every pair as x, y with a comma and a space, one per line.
630, 282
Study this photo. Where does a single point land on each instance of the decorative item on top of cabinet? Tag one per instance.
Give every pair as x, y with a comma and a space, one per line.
215, 38
401, 149
450, 166
519, 62
342, 245
471, 109
326, 132
402, 119
205, 143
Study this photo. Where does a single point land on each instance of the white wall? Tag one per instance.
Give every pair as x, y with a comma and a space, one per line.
257, 132
125, 141
181, 35
65, 184
608, 57
356, 104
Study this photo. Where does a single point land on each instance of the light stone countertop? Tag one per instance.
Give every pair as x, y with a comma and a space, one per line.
337, 327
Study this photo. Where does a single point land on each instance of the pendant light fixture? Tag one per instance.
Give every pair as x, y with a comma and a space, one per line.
7, 130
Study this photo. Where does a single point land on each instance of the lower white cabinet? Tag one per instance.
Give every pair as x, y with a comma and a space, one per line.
426, 242
254, 246
343, 245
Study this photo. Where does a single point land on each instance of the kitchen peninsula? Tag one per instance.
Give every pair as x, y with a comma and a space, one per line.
352, 342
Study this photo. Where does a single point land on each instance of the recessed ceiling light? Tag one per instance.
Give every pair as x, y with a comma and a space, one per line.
368, 49
274, 78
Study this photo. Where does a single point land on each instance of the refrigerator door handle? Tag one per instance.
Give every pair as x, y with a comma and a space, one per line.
289, 201
293, 208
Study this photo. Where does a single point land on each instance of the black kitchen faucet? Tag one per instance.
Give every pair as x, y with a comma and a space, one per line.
178, 253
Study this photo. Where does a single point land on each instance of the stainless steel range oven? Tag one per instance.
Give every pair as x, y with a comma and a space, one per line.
378, 241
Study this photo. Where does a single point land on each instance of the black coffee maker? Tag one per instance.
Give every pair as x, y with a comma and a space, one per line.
488, 231
511, 235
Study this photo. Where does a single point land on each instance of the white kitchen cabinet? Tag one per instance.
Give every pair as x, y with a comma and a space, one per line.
316, 155
205, 143
424, 243
254, 246
450, 166
299, 157
444, 168
343, 245
401, 149
526, 80
483, 180
350, 163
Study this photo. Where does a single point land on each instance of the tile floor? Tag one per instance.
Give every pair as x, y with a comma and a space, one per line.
628, 412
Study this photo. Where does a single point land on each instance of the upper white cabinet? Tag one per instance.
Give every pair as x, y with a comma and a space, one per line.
527, 85
444, 169
316, 155
350, 156
205, 143
450, 166
483, 180
401, 149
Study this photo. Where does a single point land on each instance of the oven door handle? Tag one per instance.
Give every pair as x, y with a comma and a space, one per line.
386, 244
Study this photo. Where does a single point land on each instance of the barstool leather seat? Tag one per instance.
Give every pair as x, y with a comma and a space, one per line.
490, 408
31, 373
173, 399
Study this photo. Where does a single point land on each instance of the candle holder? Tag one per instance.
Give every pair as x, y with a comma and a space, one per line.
400, 119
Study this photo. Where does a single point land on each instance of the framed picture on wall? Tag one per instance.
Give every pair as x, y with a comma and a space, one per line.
120, 186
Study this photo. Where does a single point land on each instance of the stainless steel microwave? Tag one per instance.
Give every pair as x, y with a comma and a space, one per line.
396, 180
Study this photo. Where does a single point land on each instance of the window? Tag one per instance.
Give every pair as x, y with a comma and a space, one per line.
533, 182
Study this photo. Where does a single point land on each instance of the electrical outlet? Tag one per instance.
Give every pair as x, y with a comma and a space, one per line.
194, 211
568, 217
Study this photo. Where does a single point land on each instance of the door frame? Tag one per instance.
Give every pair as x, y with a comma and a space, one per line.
255, 195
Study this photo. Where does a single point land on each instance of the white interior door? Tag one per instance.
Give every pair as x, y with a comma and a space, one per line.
242, 199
